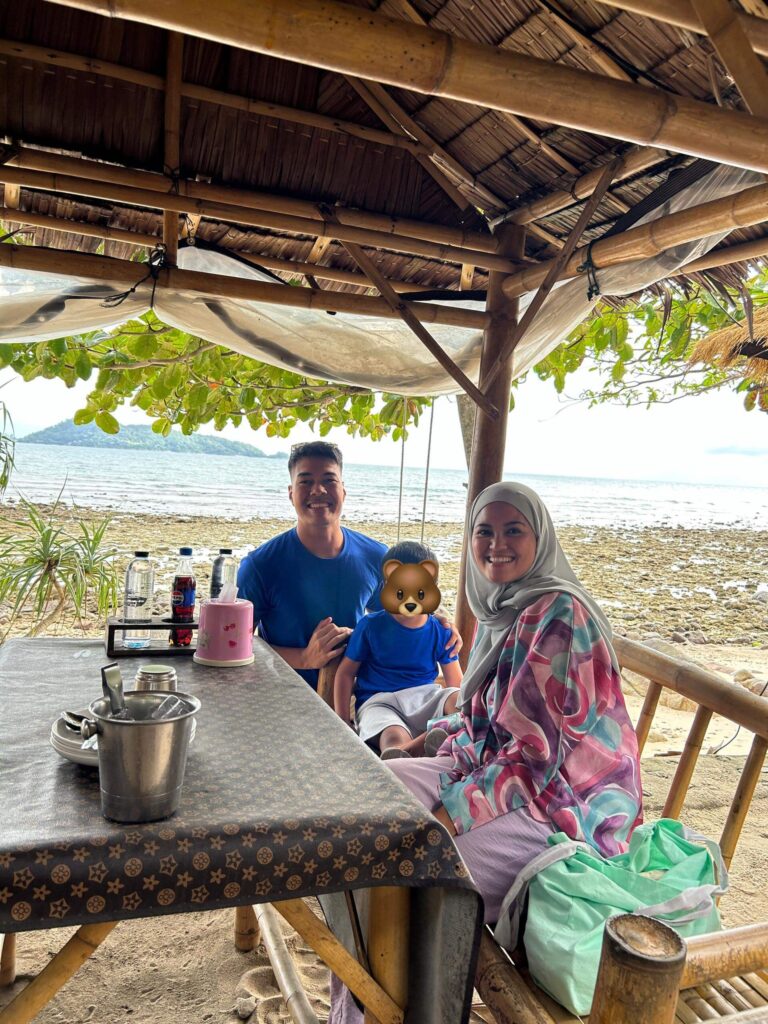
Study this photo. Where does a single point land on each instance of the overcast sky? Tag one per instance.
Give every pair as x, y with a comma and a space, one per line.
707, 439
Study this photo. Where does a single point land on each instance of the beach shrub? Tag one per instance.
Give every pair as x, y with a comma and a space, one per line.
50, 572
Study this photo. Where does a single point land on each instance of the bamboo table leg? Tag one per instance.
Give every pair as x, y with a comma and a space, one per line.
246, 929
57, 973
8, 960
388, 923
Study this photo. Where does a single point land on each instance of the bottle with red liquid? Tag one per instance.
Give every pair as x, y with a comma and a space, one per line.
183, 599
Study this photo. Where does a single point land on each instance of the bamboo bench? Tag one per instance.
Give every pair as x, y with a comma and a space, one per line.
724, 976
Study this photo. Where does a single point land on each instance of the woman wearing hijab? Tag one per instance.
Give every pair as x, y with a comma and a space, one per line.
543, 743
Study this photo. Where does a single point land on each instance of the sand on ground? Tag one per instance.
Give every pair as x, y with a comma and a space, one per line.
695, 593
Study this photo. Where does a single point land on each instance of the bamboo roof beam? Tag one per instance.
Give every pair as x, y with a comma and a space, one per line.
78, 227
202, 94
145, 198
596, 53
682, 14
735, 51
94, 170
632, 162
172, 136
405, 311
323, 273
350, 40
743, 209
555, 269
104, 268
743, 252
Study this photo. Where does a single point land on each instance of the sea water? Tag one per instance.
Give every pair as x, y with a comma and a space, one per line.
238, 487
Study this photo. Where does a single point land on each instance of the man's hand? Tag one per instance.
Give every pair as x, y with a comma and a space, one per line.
326, 643
445, 819
455, 643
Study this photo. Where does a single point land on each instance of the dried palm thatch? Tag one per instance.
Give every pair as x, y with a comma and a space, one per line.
741, 345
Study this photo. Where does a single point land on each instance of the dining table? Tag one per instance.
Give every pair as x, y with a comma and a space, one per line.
281, 801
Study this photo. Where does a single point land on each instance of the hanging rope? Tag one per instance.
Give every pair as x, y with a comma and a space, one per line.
588, 267
402, 467
426, 474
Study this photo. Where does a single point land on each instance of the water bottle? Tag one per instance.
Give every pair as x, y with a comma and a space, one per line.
224, 571
139, 588
183, 599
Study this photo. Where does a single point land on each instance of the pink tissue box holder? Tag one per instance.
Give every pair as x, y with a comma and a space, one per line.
225, 634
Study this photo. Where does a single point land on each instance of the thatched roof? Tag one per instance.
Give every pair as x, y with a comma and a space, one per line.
78, 84
742, 345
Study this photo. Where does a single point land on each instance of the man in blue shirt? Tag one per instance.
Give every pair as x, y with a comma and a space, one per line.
310, 585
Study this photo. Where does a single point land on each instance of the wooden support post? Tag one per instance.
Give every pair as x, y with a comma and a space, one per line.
640, 969
489, 438
750, 776
730, 40
353, 40
172, 147
400, 307
8, 960
549, 282
246, 929
467, 274
679, 787
388, 925
645, 719
12, 196
56, 973
317, 935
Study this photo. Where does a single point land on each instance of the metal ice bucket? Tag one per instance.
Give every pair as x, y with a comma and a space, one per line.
141, 761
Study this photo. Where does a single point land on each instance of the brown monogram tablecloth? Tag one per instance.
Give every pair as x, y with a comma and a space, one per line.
280, 800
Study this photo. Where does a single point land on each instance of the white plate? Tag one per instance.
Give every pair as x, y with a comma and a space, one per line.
68, 744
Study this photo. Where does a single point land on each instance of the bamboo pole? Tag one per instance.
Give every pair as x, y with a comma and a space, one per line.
356, 41
287, 979
682, 14
502, 988
699, 684
56, 973
317, 934
403, 310
735, 51
183, 203
324, 273
79, 227
199, 93
635, 161
549, 282
489, 437
682, 780
388, 934
246, 929
753, 250
745, 208
8, 960
647, 713
742, 798
101, 268
172, 137
639, 976
725, 954
75, 167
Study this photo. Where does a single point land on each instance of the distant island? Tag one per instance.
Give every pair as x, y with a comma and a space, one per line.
143, 438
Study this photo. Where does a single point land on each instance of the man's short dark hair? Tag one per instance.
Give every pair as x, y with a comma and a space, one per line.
315, 450
410, 552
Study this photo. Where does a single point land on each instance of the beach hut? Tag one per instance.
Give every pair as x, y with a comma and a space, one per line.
458, 181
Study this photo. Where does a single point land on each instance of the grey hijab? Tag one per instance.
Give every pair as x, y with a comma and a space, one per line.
497, 605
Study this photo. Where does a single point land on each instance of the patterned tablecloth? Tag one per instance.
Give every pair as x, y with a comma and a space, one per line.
280, 800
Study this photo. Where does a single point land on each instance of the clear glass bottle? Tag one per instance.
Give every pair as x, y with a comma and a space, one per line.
224, 571
183, 599
137, 607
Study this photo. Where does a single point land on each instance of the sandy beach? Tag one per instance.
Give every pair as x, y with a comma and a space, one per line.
700, 594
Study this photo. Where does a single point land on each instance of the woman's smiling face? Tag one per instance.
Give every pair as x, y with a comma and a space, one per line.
503, 543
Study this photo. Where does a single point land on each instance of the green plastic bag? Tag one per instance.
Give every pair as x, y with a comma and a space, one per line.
669, 872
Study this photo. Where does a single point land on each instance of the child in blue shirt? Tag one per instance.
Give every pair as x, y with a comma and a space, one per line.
391, 661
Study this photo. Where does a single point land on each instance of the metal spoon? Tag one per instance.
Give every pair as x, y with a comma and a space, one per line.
72, 719
112, 685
